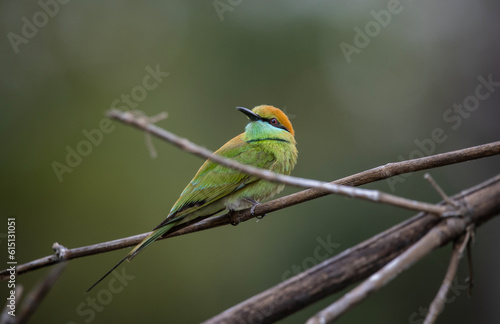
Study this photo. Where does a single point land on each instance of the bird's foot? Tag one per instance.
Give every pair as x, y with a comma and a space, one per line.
254, 203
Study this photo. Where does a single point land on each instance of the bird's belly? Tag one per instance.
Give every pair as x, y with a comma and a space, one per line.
259, 191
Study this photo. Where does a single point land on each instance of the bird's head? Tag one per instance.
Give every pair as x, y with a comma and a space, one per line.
266, 121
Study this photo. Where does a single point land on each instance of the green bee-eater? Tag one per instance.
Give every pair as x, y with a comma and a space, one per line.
267, 143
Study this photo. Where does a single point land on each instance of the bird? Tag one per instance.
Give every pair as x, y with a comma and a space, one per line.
267, 143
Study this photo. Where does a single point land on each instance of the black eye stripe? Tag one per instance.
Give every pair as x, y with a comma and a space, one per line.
277, 125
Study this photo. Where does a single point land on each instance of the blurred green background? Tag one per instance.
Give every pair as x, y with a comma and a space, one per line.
351, 111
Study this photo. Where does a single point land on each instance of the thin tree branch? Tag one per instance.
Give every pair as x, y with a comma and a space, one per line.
368, 176
440, 191
470, 279
144, 123
33, 300
361, 261
437, 304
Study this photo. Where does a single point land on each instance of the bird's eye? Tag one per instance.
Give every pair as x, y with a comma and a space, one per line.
274, 121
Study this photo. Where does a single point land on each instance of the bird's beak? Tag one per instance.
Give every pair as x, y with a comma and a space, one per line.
250, 114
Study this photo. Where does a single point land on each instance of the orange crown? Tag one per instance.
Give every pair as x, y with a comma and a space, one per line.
266, 111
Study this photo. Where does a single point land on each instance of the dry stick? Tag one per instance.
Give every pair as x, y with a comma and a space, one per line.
375, 174
437, 304
469, 261
144, 123
147, 136
362, 260
440, 191
35, 297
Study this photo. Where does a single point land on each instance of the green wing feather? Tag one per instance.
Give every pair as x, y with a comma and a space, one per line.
214, 182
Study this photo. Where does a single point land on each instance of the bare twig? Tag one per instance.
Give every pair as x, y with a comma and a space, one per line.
34, 298
470, 279
144, 124
147, 136
76, 253
440, 191
437, 304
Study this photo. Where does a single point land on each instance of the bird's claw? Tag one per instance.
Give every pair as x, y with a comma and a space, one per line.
252, 212
252, 209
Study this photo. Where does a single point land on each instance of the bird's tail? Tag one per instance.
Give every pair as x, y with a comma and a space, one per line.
156, 234
148, 240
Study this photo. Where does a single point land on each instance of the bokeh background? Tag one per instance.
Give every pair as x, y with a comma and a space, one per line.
351, 112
